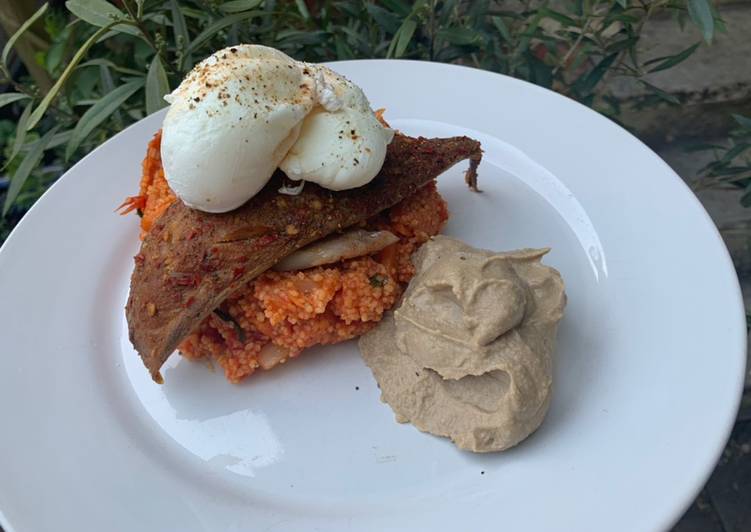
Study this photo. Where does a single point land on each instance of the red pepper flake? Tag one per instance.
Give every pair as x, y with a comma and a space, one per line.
238, 272
139, 259
265, 240
185, 279
190, 301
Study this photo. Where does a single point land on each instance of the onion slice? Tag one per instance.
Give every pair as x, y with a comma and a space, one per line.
352, 243
271, 355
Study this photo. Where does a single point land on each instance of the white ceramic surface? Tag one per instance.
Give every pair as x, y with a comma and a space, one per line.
648, 371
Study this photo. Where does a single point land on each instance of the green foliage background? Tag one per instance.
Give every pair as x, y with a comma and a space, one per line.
110, 63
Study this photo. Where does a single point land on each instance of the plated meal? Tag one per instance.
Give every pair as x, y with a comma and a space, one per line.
279, 211
309, 444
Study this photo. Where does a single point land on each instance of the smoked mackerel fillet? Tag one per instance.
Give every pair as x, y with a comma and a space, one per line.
191, 260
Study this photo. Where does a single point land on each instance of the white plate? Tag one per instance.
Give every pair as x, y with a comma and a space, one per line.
648, 372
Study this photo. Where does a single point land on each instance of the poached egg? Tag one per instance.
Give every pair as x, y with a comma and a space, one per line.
247, 110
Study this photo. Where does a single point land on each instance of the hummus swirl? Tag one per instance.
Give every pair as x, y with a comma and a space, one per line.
468, 354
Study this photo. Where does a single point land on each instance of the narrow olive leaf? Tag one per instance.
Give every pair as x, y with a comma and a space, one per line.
502, 28
671, 60
159, 18
670, 98
587, 83
288, 37
734, 152
402, 8
47, 100
110, 64
405, 36
99, 112
59, 139
218, 25
743, 121
622, 3
401, 38
700, 12
25, 26
343, 50
30, 161
235, 6
157, 86
526, 37
703, 146
10, 97
385, 19
746, 198
179, 25
460, 36
559, 17
303, 9
101, 13
623, 44
20, 133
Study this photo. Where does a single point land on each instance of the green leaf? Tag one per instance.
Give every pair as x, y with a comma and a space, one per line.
723, 170
526, 37
110, 64
405, 36
397, 6
343, 50
59, 139
743, 121
99, 112
30, 161
700, 12
387, 20
54, 56
623, 44
670, 98
218, 25
10, 97
502, 28
559, 17
734, 152
20, 133
303, 9
47, 100
746, 198
288, 37
25, 26
671, 60
179, 26
101, 13
156, 86
703, 146
622, 3
587, 83
235, 6
401, 39
460, 36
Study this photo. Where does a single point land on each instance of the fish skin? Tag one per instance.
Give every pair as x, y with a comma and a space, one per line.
192, 260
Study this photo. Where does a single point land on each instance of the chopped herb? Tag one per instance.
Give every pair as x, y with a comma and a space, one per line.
139, 212
377, 281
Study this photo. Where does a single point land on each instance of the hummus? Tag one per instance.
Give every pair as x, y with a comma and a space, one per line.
468, 354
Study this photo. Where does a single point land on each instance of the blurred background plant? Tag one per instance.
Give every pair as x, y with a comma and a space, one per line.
77, 72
